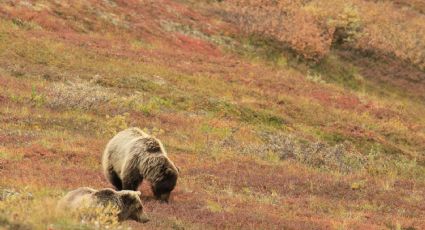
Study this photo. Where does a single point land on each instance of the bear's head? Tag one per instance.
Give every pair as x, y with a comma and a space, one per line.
132, 207
165, 184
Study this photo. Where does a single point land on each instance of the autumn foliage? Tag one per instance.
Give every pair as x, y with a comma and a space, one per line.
313, 28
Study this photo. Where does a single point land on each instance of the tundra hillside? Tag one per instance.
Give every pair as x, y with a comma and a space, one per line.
279, 114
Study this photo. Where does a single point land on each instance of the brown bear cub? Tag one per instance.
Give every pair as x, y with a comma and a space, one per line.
131, 156
127, 203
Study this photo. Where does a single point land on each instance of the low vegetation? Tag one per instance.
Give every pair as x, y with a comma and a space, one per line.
313, 28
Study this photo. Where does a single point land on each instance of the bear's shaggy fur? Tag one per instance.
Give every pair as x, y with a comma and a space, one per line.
127, 202
131, 156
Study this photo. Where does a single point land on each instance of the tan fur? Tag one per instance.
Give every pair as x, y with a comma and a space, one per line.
127, 202
76, 198
132, 155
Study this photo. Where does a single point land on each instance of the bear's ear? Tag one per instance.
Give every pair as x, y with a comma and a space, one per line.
138, 193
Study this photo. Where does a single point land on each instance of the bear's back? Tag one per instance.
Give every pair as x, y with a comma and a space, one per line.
145, 145
107, 196
76, 198
119, 146
133, 141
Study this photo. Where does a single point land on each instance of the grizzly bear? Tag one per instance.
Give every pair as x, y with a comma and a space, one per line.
131, 156
126, 202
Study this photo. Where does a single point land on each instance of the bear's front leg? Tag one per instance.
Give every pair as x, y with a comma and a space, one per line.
131, 180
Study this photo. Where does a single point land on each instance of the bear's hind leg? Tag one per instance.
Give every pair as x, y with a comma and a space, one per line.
115, 180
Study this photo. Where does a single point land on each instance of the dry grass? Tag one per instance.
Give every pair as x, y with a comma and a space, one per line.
82, 95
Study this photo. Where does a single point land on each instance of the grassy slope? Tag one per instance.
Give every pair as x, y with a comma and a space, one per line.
208, 93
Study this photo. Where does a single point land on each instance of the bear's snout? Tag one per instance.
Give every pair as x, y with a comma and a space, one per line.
142, 218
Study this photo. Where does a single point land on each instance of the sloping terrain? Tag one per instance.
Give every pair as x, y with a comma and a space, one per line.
265, 138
